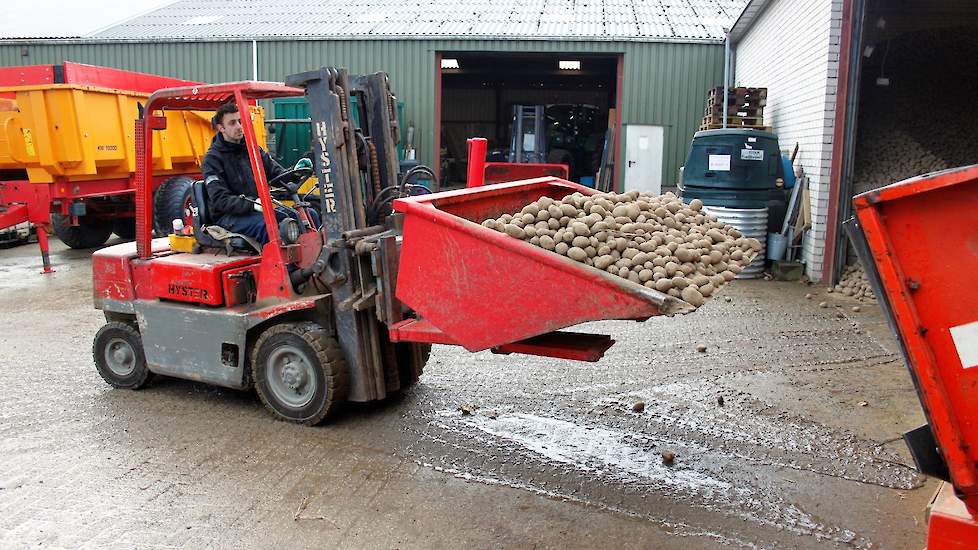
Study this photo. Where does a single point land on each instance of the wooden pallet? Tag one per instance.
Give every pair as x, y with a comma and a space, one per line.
734, 120
734, 110
739, 100
745, 109
737, 103
735, 127
757, 93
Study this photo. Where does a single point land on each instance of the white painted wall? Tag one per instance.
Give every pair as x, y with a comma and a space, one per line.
793, 50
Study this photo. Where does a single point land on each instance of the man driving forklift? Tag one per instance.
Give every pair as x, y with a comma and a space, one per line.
232, 195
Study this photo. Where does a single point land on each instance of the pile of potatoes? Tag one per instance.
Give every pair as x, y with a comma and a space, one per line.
855, 284
915, 124
656, 241
878, 166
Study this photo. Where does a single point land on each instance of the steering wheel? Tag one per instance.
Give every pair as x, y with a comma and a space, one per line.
291, 179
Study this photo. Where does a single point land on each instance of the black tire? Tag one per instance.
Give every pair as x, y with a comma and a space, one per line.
170, 202
119, 357
410, 365
313, 357
89, 233
125, 228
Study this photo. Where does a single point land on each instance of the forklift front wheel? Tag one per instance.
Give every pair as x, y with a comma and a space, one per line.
299, 372
119, 358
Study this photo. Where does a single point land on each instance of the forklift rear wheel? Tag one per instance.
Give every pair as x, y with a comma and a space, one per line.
89, 233
172, 201
119, 358
299, 372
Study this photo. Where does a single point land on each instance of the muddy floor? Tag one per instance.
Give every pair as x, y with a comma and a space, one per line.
785, 434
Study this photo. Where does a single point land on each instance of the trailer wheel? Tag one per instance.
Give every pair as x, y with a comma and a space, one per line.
299, 372
89, 233
119, 357
125, 228
172, 201
410, 362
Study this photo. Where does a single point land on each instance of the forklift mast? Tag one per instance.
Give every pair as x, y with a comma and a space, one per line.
354, 166
528, 144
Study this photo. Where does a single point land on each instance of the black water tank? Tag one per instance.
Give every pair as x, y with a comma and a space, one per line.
733, 158
736, 168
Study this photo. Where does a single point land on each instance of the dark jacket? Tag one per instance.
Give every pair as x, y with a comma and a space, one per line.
227, 174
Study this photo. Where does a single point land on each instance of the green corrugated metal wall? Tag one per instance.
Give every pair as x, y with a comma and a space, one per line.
663, 83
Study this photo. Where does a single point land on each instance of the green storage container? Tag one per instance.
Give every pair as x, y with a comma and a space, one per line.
736, 168
733, 159
289, 141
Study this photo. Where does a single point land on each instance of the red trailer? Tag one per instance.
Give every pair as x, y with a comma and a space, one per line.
85, 75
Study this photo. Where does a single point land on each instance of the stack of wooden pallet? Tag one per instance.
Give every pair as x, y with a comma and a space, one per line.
745, 108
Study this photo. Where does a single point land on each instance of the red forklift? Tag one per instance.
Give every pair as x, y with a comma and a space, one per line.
345, 310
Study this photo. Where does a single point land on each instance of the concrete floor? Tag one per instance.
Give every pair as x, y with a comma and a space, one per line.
804, 452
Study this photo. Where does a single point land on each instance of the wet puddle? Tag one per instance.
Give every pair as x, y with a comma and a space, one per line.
733, 461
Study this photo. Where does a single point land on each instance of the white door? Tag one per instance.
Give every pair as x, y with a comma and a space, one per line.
643, 157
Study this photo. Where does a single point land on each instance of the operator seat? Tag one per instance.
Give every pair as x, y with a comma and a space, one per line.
209, 235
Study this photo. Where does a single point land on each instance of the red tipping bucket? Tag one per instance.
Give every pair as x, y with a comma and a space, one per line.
484, 289
919, 241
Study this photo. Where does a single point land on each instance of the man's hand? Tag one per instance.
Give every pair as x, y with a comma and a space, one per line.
254, 202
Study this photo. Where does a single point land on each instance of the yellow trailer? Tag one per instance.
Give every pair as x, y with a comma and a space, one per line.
81, 133
67, 160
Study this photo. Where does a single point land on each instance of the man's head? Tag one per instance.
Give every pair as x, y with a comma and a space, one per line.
227, 121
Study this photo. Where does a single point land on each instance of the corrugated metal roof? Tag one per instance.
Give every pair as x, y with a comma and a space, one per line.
645, 20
